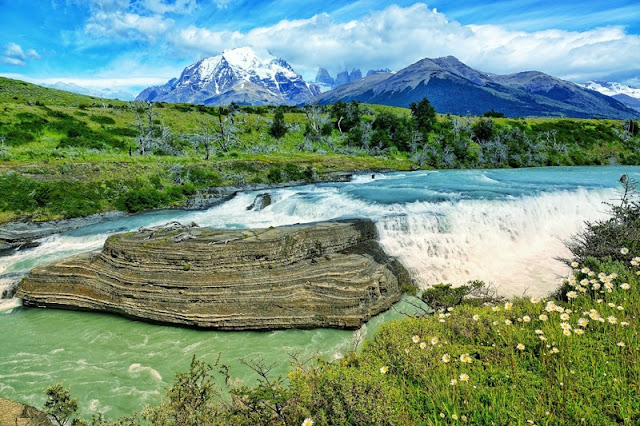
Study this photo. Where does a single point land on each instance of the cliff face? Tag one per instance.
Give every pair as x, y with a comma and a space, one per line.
327, 274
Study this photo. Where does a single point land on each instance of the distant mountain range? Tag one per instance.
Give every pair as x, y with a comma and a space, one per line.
628, 95
104, 93
453, 87
243, 75
252, 77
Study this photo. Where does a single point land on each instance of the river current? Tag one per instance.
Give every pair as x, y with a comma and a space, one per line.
505, 227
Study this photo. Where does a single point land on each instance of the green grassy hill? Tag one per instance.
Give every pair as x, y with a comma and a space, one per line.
51, 140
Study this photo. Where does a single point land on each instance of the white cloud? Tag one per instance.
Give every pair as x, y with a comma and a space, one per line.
396, 37
162, 7
14, 55
127, 26
222, 4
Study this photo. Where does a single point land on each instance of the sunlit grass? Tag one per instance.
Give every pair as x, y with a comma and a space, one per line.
527, 361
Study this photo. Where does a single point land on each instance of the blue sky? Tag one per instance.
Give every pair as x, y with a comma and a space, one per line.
130, 44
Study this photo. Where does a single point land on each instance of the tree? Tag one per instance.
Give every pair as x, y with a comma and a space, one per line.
424, 115
144, 123
493, 113
59, 405
205, 138
483, 129
278, 128
347, 116
227, 127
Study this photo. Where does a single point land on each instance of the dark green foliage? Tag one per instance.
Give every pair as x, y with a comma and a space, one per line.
278, 128
17, 136
424, 115
203, 177
144, 198
493, 113
443, 296
60, 114
51, 195
275, 174
346, 116
124, 131
190, 399
102, 119
483, 129
390, 130
59, 405
604, 239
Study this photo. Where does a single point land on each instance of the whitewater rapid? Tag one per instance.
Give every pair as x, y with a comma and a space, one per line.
475, 228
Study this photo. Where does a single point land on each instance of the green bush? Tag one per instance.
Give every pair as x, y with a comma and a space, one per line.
606, 238
144, 198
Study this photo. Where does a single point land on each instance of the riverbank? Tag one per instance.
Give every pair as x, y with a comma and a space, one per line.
21, 233
13, 413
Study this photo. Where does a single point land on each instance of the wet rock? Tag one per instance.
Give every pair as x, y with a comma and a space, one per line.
325, 274
261, 201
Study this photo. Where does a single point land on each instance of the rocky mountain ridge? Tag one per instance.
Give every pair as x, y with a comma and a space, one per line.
453, 87
244, 75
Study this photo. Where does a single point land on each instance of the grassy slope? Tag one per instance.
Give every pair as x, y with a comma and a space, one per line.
58, 143
107, 173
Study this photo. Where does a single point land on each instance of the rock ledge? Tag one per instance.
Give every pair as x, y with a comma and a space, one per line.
325, 274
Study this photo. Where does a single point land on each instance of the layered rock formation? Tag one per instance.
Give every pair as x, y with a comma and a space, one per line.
14, 413
326, 274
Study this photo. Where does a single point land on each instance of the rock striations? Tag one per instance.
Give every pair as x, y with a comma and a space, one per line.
325, 274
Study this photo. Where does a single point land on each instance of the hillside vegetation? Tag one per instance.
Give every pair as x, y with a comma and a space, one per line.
68, 155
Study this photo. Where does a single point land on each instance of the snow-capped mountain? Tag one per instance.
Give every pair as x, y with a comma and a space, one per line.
244, 75
628, 95
612, 88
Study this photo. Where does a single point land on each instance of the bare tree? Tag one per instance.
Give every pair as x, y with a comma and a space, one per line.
227, 129
205, 138
416, 138
314, 117
144, 123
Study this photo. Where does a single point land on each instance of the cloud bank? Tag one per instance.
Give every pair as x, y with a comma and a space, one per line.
396, 37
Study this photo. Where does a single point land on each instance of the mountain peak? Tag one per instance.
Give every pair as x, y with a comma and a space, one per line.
243, 75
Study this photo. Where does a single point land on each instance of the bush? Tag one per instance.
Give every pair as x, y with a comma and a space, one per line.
145, 198
605, 239
278, 128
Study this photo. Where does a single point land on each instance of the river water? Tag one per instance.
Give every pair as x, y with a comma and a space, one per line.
501, 226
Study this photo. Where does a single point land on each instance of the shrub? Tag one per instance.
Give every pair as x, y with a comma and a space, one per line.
144, 198
604, 239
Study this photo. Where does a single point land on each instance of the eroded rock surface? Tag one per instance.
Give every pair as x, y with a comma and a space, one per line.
13, 413
325, 274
